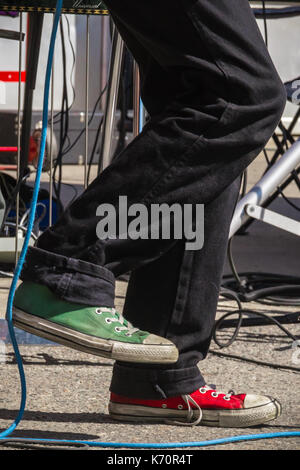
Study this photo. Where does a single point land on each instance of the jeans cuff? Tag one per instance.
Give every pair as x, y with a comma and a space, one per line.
71, 279
155, 384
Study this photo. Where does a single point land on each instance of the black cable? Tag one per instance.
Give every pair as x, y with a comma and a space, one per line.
10, 202
254, 361
232, 266
68, 149
277, 13
241, 313
74, 189
296, 178
263, 287
94, 150
125, 94
288, 201
244, 184
276, 289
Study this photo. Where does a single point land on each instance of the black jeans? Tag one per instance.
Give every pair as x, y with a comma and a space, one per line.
214, 98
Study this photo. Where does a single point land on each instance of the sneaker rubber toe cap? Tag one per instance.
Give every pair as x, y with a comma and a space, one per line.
154, 339
252, 400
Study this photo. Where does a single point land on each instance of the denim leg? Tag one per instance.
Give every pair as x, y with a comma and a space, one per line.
176, 297
214, 99
71, 279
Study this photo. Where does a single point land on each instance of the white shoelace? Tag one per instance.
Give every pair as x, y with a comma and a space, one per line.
118, 317
215, 394
190, 411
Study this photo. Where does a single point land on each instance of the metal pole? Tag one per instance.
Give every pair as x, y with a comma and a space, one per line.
87, 76
19, 138
136, 100
51, 145
267, 185
111, 101
104, 57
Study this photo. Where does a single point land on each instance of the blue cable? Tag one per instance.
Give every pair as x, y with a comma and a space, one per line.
31, 222
8, 431
165, 445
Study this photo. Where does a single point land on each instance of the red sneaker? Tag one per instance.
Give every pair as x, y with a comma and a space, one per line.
204, 406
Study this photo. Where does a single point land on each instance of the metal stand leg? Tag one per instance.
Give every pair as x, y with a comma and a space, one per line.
139, 116
266, 186
34, 40
111, 101
87, 76
136, 100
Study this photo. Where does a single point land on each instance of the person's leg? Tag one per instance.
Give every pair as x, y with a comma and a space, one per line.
176, 297
224, 103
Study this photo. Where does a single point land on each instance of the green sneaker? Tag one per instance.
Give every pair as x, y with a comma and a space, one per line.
100, 331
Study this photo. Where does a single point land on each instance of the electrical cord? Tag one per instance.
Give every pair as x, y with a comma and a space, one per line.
248, 287
240, 313
64, 123
21, 227
255, 361
94, 150
4, 434
82, 132
63, 118
5, 274
31, 219
10, 202
165, 445
253, 287
267, 284
294, 174
57, 115
260, 287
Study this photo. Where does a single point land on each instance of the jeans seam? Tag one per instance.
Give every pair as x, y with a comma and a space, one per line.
64, 284
182, 289
168, 174
65, 265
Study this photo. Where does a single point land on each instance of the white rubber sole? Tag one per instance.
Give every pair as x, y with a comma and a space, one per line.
117, 350
219, 418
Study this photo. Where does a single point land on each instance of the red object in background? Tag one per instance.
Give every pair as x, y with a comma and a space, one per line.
8, 149
8, 167
33, 149
12, 77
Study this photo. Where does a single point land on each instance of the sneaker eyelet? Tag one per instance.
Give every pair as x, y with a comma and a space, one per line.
180, 407
226, 398
214, 394
164, 405
108, 320
202, 390
117, 329
99, 311
128, 335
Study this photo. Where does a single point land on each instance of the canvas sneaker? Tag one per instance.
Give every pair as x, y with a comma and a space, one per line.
205, 406
96, 330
